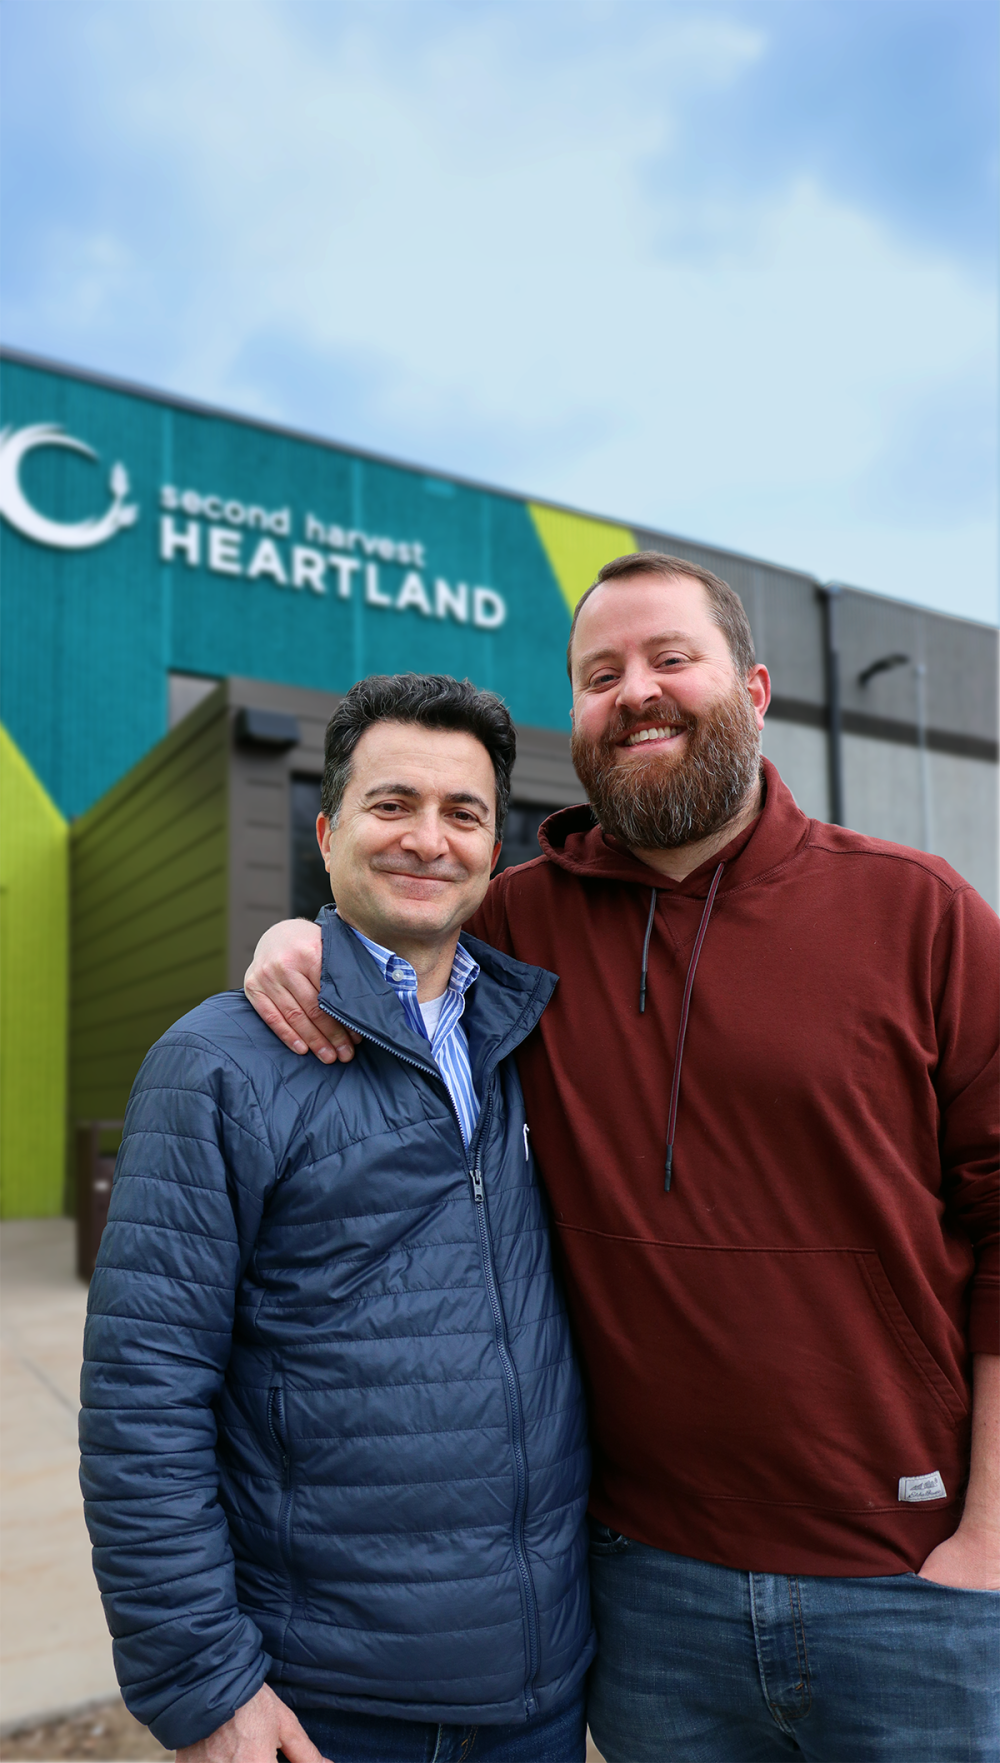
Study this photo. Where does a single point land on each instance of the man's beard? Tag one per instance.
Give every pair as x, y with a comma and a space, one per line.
662, 802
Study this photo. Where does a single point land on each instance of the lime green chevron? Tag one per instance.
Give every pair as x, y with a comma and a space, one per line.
34, 839
577, 547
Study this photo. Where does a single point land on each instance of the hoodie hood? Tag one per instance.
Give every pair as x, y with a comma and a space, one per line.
572, 839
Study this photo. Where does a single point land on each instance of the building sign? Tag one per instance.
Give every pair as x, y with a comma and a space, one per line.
15, 507
214, 535
235, 538
141, 536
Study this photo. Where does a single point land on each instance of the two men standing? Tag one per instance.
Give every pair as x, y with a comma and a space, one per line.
763, 1099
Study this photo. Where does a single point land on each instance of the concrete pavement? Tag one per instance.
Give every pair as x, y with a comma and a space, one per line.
55, 1651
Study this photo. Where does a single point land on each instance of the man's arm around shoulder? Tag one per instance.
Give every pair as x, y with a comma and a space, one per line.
283, 979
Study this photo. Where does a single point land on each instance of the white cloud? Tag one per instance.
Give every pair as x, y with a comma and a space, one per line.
477, 233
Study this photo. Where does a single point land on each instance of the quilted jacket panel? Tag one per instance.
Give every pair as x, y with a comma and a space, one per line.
333, 1435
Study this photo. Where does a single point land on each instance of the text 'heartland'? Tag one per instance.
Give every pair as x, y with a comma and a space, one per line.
239, 539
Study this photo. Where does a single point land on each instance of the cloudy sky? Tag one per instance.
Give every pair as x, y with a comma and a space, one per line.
722, 267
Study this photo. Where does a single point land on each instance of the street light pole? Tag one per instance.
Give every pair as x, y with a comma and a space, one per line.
885, 664
835, 745
920, 680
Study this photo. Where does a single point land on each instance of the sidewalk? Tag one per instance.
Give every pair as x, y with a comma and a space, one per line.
55, 1651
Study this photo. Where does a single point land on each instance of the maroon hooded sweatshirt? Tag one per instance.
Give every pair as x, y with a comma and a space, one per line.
779, 1344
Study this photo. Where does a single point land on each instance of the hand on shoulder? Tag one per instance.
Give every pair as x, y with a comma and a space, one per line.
282, 983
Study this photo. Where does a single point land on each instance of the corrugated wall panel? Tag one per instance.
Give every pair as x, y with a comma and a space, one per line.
149, 865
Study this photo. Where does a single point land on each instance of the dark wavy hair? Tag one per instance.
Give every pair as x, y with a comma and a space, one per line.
434, 700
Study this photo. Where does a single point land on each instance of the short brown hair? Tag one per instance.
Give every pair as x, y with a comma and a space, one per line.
724, 603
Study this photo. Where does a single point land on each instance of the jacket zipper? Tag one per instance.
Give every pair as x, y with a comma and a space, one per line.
516, 1411
530, 1610
276, 1427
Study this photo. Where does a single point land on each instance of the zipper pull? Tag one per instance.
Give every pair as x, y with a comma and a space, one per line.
478, 1191
525, 1131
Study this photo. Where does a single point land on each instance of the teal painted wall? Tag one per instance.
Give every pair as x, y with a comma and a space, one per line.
90, 635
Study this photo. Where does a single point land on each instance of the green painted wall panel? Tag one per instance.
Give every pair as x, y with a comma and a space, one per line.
111, 1027
140, 822
149, 867
133, 947
148, 840
130, 978
142, 886
34, 973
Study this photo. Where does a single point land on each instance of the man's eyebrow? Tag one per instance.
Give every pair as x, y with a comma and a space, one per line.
471, 799
391, 790
592, 655
466, 797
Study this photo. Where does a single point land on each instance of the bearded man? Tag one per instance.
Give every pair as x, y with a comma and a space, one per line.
764, 1106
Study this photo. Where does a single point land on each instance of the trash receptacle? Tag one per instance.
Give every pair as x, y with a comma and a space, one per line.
97, 1144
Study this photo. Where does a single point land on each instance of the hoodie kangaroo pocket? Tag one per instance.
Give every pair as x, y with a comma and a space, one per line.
781, 1376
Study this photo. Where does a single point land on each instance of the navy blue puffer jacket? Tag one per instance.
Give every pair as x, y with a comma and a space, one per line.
333, 1434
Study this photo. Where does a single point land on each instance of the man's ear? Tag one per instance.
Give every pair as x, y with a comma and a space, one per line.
324, 833
496, 852
759, 687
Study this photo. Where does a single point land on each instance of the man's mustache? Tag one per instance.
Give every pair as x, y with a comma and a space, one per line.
394, 863
666, 715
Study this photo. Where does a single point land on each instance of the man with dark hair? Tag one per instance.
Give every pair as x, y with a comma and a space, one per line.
334, 1448
764, 1104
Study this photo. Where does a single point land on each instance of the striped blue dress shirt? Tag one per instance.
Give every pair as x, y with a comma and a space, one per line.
450, 1046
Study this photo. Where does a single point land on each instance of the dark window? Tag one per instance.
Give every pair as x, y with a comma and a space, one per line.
310, 882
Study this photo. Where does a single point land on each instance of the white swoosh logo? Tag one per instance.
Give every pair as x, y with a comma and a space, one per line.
65, 536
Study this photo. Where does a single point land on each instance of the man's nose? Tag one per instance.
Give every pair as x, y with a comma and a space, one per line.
638, 687
426, 836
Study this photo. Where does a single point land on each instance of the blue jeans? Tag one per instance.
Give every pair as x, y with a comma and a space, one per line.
701, 1664
357, 1738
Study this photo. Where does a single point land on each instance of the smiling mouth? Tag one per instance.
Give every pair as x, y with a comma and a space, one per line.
659, 735
406, 875
417, 885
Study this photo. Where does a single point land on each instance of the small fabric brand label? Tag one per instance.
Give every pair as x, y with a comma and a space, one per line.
922, 1487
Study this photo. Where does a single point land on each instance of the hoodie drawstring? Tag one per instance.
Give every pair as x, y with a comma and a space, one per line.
645, 951
675, 1088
